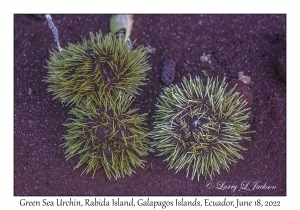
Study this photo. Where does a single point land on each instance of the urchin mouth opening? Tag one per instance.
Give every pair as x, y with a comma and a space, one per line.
197, 123
198, 135
107, 73
110, 132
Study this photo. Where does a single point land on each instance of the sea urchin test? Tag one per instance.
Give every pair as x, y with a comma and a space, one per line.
199, 126
102, 65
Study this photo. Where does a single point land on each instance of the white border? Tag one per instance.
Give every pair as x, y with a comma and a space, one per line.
153, 6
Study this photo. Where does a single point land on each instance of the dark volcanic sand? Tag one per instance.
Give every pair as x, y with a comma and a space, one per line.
253, 44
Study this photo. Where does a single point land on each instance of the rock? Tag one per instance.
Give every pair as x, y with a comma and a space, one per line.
205, 58
150, 50
243, 89
245, 79
168, 72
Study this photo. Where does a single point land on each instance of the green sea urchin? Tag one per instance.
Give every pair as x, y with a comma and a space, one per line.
199, 127
102, 65
111, 136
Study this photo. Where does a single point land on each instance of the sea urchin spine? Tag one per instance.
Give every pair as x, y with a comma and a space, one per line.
199, 127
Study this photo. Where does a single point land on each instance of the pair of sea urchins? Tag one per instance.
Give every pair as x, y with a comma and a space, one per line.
197, 126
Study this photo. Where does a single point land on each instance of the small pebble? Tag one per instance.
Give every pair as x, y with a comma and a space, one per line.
245, 79
29, 91
150, 50
168, 72
205, 58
